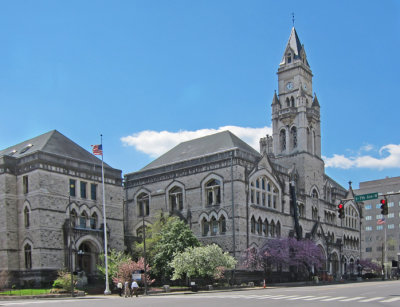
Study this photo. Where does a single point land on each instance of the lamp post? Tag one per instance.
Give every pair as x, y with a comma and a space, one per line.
144, 255
70, 246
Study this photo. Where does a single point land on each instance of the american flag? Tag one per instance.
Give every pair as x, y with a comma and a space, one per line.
97, 149
381, 221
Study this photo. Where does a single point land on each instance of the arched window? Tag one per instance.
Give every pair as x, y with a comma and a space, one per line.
259, 226
253, 225
278, 229
82, 220
143, 202
293, 133
176, 199
265, 228
213, 192
214, 226
287, 102
272, 229
204, 227
27, 213
314, 194
94, 221
292, 101
74, 217
282, 139
222, 225
28, 256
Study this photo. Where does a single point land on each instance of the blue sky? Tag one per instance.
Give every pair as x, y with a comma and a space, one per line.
148, 74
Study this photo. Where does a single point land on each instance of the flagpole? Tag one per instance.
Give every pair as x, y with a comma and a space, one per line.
107, 290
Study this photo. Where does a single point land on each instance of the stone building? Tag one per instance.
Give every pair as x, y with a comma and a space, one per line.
373, 231
237, 197
51, 195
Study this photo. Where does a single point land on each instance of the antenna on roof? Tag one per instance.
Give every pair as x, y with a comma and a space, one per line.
293, 19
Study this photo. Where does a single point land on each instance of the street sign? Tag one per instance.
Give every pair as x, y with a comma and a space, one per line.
365, 197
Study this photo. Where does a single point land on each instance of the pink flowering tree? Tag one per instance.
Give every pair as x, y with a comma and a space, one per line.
128, 267
370, 267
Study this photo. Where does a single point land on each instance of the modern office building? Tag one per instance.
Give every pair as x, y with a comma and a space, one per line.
377, 228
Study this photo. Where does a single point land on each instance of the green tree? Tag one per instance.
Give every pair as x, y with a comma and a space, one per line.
204, 261
115, 258
174, 237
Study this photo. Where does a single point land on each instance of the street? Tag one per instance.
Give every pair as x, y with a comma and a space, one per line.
385, 293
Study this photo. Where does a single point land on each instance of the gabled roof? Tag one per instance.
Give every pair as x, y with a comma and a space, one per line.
52, 142
204, 146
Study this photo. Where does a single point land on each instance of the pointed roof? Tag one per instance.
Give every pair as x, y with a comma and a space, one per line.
315, 101
204, 146
294, 45
52, 142
275, 100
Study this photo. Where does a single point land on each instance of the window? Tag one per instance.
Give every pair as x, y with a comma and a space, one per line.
214, 226
175, 199
253, 225
378, 216
282, 138
379, 227
265, 228
25, 184
213, 192
368, 249
83, 189
259, 226
26, 217
143, 202
368, 207
72, 191
368, 218
263, 192
94, 221
368, 228
28, 256
93, 191
272, 229
26, 148
289, 58
390, 215
222, 225
204, 227
293, 132
82, 220
73, 216
391, 226
391, 204
378, 206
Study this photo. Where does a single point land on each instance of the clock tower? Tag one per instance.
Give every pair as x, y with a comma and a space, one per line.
296, 125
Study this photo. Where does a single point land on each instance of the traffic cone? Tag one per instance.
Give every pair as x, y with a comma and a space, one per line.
264, 284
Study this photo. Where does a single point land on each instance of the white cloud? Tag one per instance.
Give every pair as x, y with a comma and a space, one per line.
389, 157
155, 143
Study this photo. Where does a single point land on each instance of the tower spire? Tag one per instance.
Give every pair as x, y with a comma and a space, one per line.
293, 19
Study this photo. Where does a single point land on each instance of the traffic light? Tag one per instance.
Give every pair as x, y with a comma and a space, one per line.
341, 210
384, 206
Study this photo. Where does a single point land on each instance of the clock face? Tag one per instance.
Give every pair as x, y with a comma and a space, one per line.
289, 85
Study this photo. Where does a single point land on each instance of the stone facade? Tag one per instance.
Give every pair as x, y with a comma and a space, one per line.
237, 197
44, 181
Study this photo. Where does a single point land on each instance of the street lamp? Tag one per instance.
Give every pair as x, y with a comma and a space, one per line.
70, 246
144, 256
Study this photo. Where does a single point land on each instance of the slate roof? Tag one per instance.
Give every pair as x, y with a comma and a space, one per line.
294, 44
52, 142
204, 146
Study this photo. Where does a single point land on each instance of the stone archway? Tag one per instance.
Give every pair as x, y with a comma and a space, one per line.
87, 257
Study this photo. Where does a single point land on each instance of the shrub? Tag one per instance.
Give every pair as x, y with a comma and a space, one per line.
63, 281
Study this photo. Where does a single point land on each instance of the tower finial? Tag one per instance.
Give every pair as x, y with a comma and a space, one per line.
293, 19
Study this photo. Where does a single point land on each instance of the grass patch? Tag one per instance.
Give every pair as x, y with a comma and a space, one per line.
24, 292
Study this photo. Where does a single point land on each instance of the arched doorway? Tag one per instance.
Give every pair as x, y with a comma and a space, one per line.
86, 258
335, 265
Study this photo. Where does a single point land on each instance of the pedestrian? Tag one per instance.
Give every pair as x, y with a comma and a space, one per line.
126, 289
135, 288
119, 287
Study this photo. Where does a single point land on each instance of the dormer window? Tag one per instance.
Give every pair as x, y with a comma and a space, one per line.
12, 153
289, 58
26, 148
